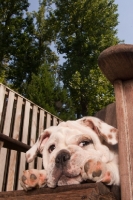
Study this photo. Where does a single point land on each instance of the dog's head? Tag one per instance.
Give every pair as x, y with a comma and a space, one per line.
66, 148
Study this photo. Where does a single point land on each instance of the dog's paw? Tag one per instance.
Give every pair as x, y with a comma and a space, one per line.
97, 171
33, 178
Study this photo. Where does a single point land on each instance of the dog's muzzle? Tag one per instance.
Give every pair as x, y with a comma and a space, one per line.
62, 158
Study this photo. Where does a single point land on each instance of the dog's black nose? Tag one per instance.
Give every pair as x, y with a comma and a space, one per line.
62, 157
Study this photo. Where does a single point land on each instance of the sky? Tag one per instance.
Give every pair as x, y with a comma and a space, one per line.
125, 11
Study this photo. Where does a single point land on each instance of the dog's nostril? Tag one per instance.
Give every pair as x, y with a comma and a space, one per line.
62, 157
65, 157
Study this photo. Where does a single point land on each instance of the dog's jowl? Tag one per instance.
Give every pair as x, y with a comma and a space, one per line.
74, 151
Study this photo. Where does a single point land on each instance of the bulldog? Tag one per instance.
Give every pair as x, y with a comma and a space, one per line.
73, 152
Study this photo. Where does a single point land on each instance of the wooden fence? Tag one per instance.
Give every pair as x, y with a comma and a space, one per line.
21, 120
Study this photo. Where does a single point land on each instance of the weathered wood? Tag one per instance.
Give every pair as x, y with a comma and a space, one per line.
108, 114
41, 128
124, 101
55, 121
13, 144
14, 119
2, 96
48, 123
116, 62
33, 131
6, 131
13, 154
91, 191
24, 139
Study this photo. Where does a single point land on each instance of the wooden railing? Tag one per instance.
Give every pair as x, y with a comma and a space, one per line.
21, 122
116, 64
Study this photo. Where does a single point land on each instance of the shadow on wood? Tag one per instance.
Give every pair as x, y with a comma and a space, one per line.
86, 191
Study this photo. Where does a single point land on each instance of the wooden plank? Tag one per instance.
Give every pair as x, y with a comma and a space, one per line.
110, 116
101, 114
48, 120
13, 144
55, 121
24, 139
33, 131
1, 145
13, 156
2, 96
6, 131
128, 89
41, 129
41, 121
90, 191
124, 111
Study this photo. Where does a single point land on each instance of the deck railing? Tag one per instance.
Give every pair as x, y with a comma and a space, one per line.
21, 120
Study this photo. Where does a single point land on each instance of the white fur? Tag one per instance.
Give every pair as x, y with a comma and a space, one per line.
69, 136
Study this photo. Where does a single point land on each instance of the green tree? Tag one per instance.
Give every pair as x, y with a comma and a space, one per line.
25, 42
11, 21
45, 91
83, 29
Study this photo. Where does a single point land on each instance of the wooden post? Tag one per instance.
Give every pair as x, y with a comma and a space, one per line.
116, 64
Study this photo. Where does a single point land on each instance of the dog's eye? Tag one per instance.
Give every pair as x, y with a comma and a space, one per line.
51, 148
84, 143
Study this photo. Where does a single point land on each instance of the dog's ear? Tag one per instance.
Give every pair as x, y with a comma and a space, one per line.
104, 131
38, 146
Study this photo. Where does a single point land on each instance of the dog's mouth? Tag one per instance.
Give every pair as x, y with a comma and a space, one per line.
64, 176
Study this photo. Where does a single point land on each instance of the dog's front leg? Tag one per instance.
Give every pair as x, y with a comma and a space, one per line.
33, 178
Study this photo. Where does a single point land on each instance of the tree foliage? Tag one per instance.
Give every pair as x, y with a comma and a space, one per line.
25, 42
47, 93
83, 29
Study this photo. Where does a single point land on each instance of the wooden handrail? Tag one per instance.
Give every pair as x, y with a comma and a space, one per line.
13, 144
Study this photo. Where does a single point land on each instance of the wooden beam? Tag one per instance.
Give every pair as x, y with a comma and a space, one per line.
13, 144
91, 191
117, 65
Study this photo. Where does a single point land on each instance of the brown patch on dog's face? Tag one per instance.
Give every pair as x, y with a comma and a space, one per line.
110, 136
113, 130
88, 123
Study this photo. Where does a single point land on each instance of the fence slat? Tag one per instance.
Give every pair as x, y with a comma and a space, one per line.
2, 96
41, 128
6, 131
24, 139
13, 156
55, 122
33, 131
48, 123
